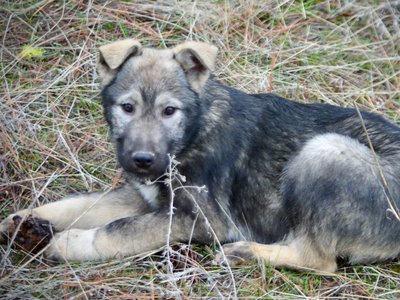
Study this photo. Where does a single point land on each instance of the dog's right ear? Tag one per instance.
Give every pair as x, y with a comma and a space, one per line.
113, 56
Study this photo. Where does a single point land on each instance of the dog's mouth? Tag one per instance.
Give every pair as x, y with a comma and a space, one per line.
145, 178
145, 175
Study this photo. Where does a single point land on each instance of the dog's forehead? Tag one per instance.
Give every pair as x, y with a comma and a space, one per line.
154, 71
153, 60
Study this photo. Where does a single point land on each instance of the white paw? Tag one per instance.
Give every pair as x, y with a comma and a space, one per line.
7, 226
73, 244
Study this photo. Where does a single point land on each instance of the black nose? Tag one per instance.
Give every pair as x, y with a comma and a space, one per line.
143, 160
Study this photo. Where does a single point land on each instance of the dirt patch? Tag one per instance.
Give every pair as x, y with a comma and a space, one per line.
33, 233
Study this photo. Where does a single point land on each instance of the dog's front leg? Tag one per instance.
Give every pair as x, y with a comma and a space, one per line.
82, 211
127, 236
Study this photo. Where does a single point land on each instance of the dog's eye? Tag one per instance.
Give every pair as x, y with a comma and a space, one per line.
169, 110
127, 107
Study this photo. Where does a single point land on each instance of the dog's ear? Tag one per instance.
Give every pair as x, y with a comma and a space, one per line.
113, 56
197, 60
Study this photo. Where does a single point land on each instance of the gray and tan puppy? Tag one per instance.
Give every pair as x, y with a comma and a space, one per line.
298, 185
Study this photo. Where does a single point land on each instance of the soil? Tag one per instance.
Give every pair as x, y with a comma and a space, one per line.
33, 233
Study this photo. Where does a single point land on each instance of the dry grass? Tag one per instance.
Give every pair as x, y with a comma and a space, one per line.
53, 139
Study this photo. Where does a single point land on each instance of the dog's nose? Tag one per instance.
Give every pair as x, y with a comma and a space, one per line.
143, 160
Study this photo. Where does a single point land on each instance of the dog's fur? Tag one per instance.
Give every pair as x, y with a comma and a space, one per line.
298, 185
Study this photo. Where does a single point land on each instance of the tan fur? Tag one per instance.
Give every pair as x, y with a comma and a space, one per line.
292, 255
144, 233
205, 53
113, 55
74, 244
85, 211
198, 69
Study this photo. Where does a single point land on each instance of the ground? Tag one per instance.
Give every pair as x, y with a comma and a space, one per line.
54, 140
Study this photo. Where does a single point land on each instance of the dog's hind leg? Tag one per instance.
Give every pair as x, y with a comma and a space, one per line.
295, 255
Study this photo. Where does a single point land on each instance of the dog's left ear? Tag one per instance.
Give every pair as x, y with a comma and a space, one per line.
197, 59
113, 55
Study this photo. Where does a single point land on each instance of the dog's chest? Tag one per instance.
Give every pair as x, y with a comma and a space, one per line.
150, 193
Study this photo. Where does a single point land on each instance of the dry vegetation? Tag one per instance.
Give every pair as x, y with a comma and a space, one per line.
54, 141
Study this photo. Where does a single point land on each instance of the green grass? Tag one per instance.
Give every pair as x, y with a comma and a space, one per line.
54, 140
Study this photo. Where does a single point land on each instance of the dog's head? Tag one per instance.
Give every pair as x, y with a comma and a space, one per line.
151, 100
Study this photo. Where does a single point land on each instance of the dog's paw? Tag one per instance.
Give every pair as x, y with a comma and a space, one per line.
73, 245
235, 254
